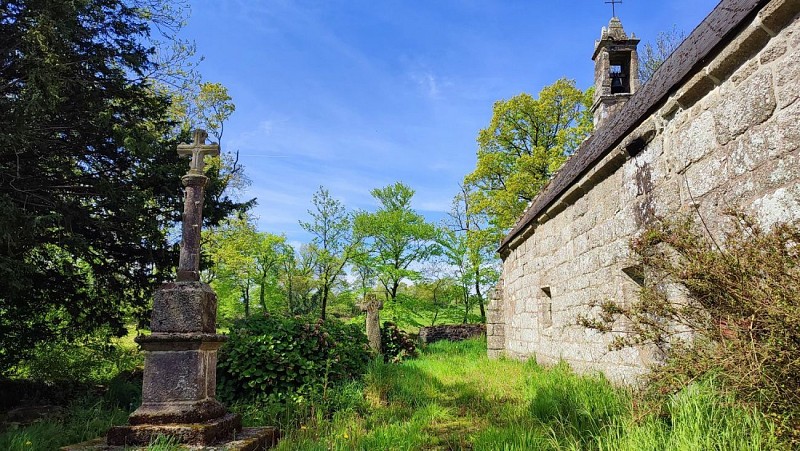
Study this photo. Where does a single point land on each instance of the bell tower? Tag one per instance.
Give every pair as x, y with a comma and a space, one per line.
616, 70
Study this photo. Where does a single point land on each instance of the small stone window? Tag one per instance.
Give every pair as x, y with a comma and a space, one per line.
546, 308
636, 273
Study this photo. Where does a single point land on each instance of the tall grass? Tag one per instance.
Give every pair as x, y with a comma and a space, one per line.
84, 420
453, 397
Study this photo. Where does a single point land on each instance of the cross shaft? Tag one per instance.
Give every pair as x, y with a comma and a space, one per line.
613, 6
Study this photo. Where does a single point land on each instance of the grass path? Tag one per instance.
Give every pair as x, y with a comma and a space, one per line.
454, 398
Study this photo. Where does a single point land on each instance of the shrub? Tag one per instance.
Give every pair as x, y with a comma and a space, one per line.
91, 360
741, 318
396, 344
275, 357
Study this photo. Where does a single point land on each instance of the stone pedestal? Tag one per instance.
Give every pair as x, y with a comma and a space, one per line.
180, 364
180, 367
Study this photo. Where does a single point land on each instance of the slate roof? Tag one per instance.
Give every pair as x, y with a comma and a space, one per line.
696, 51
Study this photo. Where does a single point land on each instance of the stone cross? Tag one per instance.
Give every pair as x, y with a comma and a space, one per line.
197, 151
372, 305
195, 182
180, 363
613, 6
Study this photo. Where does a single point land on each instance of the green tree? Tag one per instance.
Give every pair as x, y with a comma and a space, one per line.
298, 280
244, 259
470, 243
230, 248
89, 177
332, 243
526, 142
269, 251
396, 236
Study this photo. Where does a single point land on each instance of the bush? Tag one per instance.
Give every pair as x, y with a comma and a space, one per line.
276, 357
92, 360
396, 344
741, 318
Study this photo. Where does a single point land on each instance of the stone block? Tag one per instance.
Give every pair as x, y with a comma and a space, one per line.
753, 104
175, 375
782, 205
695, 89
772, 52
693, 141
779, 13
495, 342
787, 79
495, 353
749, 42
184, 307
205, 433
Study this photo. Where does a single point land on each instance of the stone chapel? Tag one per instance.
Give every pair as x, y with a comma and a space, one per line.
717, 126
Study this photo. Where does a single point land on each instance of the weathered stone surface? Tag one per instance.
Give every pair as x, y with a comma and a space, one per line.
248, 439
731, 143
177, 412
451, 332
787, 79
205, 433
372, 307
184, 307
753, 104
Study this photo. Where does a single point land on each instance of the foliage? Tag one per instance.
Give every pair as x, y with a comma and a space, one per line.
468, 245
208, 107
740, 319
89, 176
92, 360
300, 287
281, 357
332, 244
396, 236
245, 261
526, 142
653, 55
414, 307
396, 344
85, 419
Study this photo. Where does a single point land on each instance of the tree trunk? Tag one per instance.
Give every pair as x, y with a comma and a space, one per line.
466, 307
262, 299
246, 300
324, 301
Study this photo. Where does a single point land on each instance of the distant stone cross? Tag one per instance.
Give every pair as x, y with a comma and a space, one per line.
613, 6
197, 151
371, 306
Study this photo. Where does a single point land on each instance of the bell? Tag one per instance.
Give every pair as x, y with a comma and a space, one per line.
616, 85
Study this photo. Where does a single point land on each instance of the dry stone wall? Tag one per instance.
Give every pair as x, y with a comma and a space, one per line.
450, 332
727, 138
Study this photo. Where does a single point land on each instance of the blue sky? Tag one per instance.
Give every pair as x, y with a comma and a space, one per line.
357, 94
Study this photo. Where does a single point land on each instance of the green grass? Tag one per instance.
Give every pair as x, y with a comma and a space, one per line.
84, 420
454, 398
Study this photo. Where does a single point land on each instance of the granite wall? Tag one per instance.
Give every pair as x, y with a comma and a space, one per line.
726, 138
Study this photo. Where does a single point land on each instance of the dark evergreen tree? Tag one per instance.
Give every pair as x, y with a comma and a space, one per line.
89, 176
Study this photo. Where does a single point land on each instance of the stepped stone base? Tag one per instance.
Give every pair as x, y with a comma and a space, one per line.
195, 433
248, 439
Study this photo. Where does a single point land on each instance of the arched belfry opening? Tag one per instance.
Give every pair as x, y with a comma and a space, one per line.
616, 68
